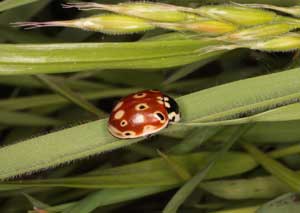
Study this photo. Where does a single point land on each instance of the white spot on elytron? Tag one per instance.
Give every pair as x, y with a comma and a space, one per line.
174, 117
167, 105
141, 107
118, 106
159, 98
148, 129
160, 102
138, 119
140, 95
119, 114
123, 123
129, 133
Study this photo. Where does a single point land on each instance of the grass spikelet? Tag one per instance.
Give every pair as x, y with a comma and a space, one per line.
236, 14
147, 10
106, 23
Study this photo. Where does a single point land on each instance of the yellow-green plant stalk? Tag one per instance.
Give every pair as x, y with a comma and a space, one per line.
147, 10
106, 23
206, 26
294, 11
260, 32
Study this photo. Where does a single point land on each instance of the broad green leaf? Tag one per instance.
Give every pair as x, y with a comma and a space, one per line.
285, 203
252, 96
54, 58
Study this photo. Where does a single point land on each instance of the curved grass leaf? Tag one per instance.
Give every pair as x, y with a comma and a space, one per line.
9, 4
57, 58
31, 82
154, 172
284, 174
25, 119
36, 203
285, 113
182, 194
111, 196
175, 166
14, 35
269, 133
285, 203
46, 100
251, 188
186, 70
243, 98
262, 187
196, 138
251, 209
66, 92
251, 96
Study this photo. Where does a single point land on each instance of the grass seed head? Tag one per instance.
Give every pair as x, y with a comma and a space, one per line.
210, 27
284, 43
150, 11
106, 23
261, 31
236, 14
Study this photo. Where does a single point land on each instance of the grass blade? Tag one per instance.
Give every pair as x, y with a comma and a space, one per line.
196, 138
9, 4
111, 196
25, 119
29, 81
63, 90
57, 58
154, 172
285, 113
46, 100
239, 210
283, 173
266, 92
285, 203
190, 185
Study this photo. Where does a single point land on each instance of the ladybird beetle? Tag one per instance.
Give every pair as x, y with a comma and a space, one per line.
142, 114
